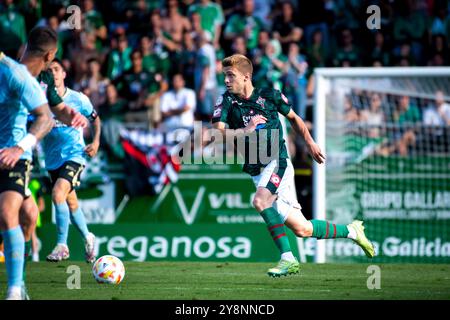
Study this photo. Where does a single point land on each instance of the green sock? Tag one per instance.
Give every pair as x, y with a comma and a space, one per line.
326, 230
26, 257
276, 228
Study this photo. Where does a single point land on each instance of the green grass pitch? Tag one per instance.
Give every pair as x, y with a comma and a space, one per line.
238, 281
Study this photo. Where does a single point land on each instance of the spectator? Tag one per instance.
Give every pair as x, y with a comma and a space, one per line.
296, 79
347, 54
32, 12
404, 56
437, 26
178, 106
409, 26
205, 76
257, 52
142, 90
119, 59
239, 46
137, 18
151, 61
437, 114
373, 117
263, 10
163, 40
317, 52
212, 18
245, 24
271, 68
313, 16
351, 114
380, 52
436, 118
95, 83
284, 28
174, 23
439, 48
406, 117
187, 60
93, 22
79, 55
112, 114
12, 27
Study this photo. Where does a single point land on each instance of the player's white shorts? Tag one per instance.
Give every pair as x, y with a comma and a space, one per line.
278, 177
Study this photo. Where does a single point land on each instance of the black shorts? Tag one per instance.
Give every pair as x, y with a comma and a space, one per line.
17, 178
69, 171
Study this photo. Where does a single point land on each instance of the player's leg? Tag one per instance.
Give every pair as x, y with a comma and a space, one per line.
10, 202
263, 202
13, 184
78, 220
321, 229
267, 184
60, 192
27, 217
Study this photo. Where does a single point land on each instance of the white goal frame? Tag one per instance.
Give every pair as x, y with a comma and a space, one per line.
322, 77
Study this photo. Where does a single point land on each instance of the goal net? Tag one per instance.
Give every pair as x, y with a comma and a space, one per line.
386, 135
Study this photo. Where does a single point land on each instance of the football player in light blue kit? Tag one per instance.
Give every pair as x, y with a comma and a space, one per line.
20, 93
65, 158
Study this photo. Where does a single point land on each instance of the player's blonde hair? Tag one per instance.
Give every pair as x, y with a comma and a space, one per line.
240, 62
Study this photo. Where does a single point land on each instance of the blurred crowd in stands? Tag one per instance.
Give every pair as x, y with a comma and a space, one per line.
156, 64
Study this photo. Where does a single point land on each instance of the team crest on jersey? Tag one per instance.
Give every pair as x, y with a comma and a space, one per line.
44, 86
217, 111
275, 179
261, 101
219, 100
218, 107
284, 98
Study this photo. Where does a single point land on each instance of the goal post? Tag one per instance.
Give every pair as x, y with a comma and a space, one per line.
388, 161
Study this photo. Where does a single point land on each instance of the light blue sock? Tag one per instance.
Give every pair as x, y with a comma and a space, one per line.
79, 221
14, 255
62, 222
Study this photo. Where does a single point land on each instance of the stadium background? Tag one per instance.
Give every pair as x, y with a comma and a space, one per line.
203, 212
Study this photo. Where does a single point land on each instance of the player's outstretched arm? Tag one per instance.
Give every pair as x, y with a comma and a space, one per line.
69, 116
301, 129
43, 123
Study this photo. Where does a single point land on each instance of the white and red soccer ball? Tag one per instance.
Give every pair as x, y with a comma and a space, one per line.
108, 269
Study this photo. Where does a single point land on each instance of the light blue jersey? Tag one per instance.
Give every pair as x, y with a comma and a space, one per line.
20, 93
65, 143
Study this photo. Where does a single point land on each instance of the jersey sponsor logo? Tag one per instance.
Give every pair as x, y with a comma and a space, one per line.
59, 124
261, 101
237, 102
275, 179
284, 98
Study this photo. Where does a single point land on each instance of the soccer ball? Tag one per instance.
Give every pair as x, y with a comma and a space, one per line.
108, 269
